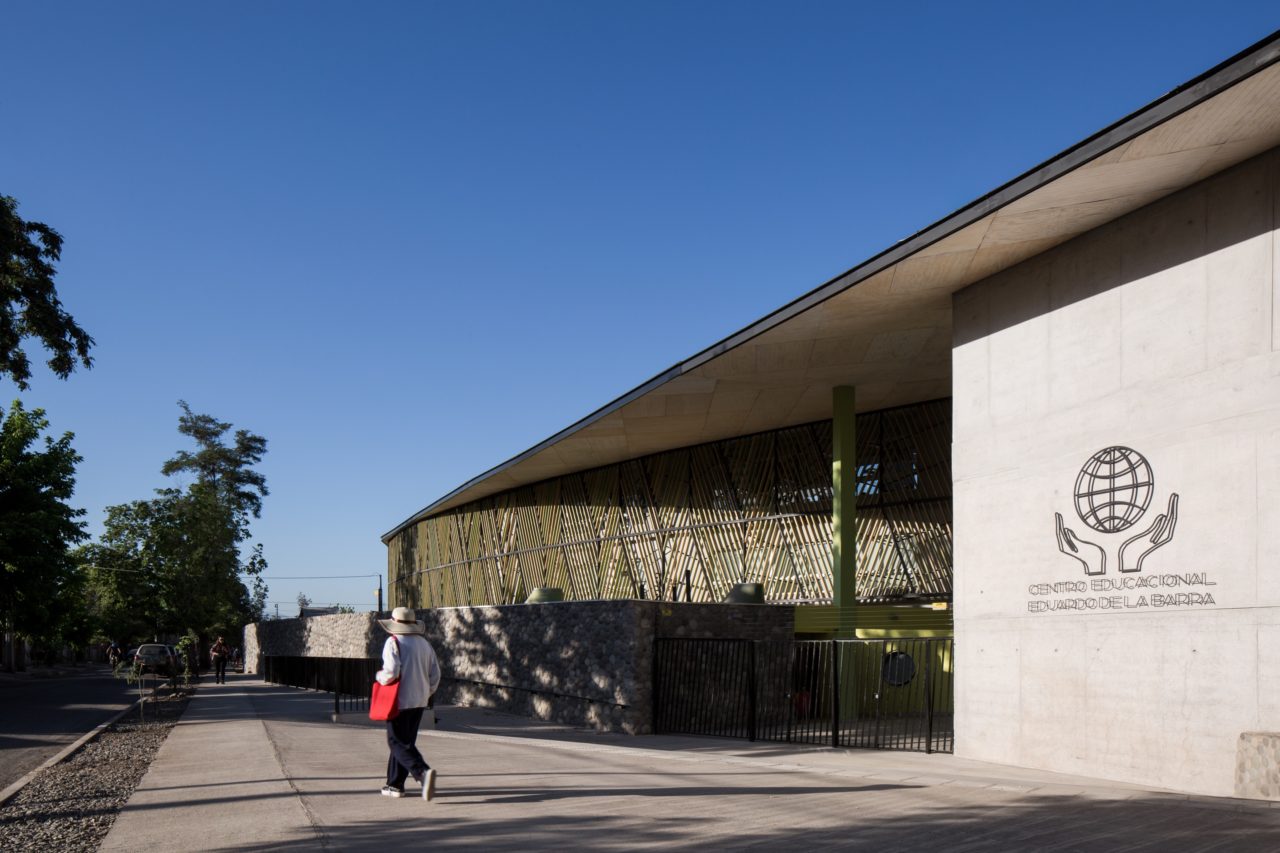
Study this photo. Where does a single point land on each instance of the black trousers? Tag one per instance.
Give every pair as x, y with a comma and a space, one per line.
220, 669
405, 760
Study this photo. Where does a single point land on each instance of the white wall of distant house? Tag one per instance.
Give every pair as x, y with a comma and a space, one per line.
1157, 332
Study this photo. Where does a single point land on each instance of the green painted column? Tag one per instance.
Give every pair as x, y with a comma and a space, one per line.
844, 481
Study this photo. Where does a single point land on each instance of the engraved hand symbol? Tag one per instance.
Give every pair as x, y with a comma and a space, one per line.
1069, 544
1158, 534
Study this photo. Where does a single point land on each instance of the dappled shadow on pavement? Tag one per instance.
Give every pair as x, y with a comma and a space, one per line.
1031, 823
706, 808
546, 794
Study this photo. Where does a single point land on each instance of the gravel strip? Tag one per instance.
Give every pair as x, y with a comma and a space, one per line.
72, 805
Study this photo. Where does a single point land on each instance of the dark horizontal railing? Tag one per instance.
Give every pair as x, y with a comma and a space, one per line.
535, 691
879, 694
350, 680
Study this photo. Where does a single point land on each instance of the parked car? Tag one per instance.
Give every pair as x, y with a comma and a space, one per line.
157, 658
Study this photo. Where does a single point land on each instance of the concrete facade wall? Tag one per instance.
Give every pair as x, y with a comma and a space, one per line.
576, 662
1158, 333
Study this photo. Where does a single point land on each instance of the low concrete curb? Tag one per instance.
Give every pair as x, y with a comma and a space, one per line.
12, 791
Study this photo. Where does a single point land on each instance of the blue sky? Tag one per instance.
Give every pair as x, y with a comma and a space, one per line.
406, 241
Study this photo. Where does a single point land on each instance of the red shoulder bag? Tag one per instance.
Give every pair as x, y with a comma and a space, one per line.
384, 704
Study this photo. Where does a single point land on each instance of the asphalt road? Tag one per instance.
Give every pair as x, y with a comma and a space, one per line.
38, 717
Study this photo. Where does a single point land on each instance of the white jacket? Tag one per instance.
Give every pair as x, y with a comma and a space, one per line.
414, 662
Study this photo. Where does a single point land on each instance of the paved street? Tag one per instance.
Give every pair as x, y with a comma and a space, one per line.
39, 716
259, 767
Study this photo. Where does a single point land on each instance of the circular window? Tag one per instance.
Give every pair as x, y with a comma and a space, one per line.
898, 669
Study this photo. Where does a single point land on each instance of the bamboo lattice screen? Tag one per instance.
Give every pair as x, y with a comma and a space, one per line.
687, 524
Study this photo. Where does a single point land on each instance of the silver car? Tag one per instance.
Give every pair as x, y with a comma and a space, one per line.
154, 657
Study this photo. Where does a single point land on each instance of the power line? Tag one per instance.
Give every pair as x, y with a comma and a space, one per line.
368, 604
312, 577
325, 578
264, 577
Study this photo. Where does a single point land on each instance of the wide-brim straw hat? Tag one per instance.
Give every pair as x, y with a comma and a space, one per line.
403, 621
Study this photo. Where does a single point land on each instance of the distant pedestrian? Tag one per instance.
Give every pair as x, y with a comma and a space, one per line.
219, 654
408, 656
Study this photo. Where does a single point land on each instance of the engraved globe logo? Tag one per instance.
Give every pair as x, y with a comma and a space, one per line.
1113, 489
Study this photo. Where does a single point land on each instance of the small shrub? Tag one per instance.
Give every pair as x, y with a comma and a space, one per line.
186, 647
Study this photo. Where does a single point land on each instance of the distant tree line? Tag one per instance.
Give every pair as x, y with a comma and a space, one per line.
175, 563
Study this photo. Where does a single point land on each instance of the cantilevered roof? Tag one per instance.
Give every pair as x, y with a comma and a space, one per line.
885, 325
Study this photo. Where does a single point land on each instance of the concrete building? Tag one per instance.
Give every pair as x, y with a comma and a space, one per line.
1096, 344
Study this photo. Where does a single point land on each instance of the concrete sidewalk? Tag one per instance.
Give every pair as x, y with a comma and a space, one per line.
254, 766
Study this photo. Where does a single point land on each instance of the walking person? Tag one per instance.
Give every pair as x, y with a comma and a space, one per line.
408, 656
219, 654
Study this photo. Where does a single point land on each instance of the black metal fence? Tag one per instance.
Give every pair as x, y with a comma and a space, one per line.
350, 680
878, 694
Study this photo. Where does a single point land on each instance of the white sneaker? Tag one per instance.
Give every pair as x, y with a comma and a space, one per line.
429, 785
388, 791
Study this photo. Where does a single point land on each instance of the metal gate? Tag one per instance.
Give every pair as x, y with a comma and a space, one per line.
877, 694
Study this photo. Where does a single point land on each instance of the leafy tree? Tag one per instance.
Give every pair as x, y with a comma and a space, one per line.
258, 588
117, 596
304, 601
39, 585
139, 568
178, 554
222, 467
29, 305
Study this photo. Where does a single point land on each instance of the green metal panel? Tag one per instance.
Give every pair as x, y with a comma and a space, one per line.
844, 502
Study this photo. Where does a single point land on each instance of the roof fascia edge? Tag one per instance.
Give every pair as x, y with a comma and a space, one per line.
1168, 106
603, 411
1221, 77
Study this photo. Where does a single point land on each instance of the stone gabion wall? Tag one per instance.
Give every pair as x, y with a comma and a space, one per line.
341, 635
575, 662
582, 663
1258, 765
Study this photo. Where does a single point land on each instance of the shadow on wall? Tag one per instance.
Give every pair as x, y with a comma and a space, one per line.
581, 663
1182, 228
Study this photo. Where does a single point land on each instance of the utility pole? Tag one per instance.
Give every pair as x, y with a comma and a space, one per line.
277, 610
379, 592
